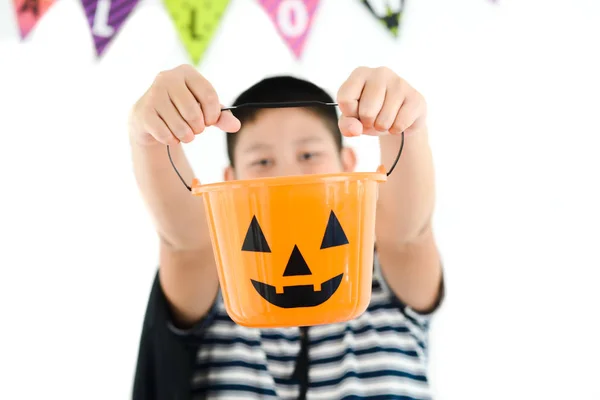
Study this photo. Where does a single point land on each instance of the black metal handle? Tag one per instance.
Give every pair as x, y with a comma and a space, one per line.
289, 104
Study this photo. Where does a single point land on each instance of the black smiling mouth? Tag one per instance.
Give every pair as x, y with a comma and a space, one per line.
299, 295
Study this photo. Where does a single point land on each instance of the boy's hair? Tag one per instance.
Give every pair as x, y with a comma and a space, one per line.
283, 89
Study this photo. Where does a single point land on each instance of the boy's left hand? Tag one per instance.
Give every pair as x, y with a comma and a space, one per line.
376, 101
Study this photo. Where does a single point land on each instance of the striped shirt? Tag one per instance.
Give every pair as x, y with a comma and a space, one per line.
381, 354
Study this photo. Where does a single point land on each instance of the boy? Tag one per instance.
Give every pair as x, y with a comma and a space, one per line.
190, 348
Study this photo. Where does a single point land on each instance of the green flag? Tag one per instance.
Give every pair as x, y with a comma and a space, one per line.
196, 22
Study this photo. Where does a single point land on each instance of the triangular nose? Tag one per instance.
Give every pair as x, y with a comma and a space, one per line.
296, 265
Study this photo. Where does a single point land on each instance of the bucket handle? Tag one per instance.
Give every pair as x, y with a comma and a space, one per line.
288, 104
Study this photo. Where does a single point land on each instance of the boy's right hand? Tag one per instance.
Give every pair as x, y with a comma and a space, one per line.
180, 103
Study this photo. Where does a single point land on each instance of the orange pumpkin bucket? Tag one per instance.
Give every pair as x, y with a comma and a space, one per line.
293, 250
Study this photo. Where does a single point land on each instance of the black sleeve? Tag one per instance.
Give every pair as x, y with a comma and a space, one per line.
165, 360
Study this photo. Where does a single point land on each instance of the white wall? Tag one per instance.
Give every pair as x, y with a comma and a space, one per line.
514, 98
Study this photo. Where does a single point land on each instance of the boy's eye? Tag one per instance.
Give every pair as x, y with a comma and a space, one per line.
262, 162
308, 156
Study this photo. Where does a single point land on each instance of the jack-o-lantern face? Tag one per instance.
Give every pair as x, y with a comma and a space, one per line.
297, 295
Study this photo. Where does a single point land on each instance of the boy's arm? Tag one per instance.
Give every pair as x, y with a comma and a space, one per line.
187, 270
376, 101
405, 243
179, 104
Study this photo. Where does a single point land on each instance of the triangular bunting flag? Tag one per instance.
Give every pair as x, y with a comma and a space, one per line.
293, 20
389, 12
29, 12
196, 22
105, 18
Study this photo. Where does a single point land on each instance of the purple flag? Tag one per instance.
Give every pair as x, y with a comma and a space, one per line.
105, 18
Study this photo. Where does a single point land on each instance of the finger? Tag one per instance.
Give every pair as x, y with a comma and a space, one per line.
350, 126
206, 95
371, 100
228, 122
188, 107
350, 92
407, 115
391, 105
174, 121
156, 127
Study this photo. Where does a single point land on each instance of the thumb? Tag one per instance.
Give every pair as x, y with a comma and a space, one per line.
228, 122
350, 126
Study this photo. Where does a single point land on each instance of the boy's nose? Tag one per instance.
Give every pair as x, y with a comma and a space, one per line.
289, 169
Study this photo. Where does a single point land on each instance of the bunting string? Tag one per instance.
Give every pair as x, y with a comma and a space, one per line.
196, 21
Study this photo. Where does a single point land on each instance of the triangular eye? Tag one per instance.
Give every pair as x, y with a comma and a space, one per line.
334, 234
255, 239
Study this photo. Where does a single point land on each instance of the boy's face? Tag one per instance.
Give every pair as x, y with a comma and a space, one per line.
284, 142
